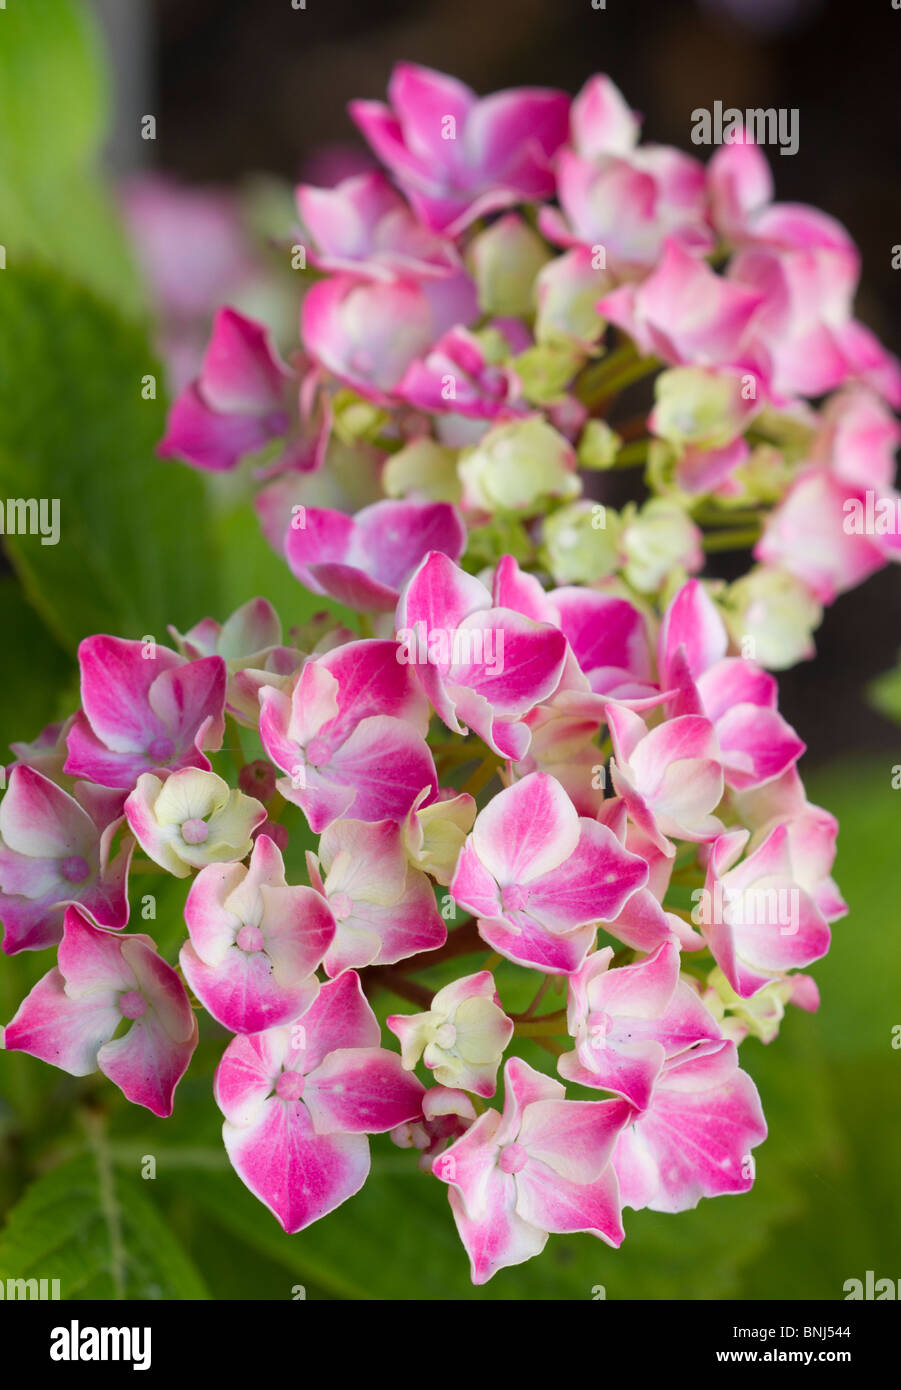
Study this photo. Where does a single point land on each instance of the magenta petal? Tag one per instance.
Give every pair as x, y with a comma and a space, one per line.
147, 1063
299, 1175
552, 1203
65, 1032
361, 1091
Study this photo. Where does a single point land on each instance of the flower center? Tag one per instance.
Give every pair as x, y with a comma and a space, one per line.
317, 751
132, 1004
75, 869
250, 938
161, 749
514, 897
599, 1025
445, 1036
195, 831
289, 1085
513, 1158
342, 906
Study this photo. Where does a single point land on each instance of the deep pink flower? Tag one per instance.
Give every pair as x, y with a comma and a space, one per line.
458, 157
255, 942
384, 909
73, 1012
478, 662
363, 560
299, 1101
543, 1166
143, 709
55, 850
695, 1138
628, 1022
364, 227
244, 397
350, 736
540, 878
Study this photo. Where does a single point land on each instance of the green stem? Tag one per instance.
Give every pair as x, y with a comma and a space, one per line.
550, 1026
740, 539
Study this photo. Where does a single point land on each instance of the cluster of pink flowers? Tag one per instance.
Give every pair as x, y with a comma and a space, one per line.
543, 733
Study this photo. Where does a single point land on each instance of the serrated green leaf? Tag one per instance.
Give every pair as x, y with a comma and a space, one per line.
99, 1234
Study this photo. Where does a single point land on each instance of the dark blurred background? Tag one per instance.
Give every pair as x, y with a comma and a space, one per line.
241, 86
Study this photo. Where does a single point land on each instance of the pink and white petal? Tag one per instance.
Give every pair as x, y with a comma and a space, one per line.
593, 884
39, 819
756, 744
574, 1138
212, 927
299, 1175
115, 686
340, 1018
364, 1090
248, 1070
242, 993
65, 1032
146, 1063
387, 763
554, 1203
528, 943
298, 928
500, 1238
161, 987
527, 830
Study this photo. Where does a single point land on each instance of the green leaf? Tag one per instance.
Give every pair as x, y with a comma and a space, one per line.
134, 549
54, 102
99, 1234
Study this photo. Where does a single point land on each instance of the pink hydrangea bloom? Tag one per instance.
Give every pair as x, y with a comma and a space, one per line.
299, 1101
55, 850
756, 744
458, 157
368, 333
384, 909
245, 397
757, 919
627, 1023
456, 376
350, 735
71, 1015
475, 660
695, 1138
363, 560
144, 709
255, 942
686, 313
364, 227
543, 1166
540, 877
670, 777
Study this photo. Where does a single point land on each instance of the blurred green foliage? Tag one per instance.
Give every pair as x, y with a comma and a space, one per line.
146, 543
